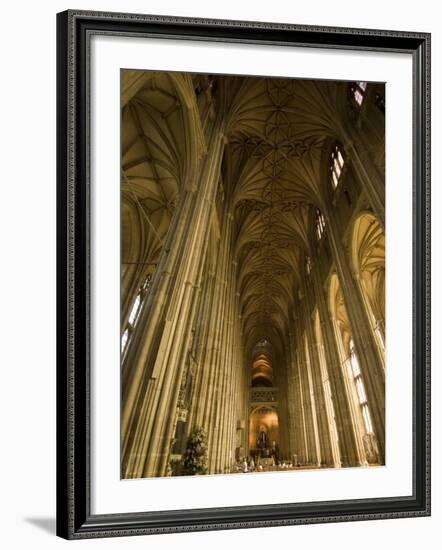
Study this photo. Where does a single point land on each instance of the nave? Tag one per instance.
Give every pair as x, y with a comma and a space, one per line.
253, 274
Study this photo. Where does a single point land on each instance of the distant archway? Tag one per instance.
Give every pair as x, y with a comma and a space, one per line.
354, 380
267, 418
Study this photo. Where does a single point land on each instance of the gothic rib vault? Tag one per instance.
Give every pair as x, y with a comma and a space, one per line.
264, 144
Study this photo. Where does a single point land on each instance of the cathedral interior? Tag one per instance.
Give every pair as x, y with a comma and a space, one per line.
252, 272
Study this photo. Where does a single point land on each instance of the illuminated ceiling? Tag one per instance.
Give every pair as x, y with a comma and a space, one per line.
278, 131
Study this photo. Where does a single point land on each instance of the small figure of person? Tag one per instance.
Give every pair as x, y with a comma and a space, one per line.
274, 452
262, 440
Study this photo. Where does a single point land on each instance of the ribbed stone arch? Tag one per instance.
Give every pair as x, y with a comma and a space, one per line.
368, 259
344, 339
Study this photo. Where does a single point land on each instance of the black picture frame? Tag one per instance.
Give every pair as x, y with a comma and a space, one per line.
74, 518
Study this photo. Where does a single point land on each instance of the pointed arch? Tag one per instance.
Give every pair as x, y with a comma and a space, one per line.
368, 259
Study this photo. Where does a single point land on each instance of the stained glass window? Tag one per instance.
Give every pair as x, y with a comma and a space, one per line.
320, 224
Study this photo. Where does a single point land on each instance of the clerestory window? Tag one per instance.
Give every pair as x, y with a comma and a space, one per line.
360, 389
359, 90
135, 312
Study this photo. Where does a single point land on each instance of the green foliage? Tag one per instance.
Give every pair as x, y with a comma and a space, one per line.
195, 455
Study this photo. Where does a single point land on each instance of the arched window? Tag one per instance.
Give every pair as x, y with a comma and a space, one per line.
135, 312
359, 90
360, 389
336, 165
124, 340
320, 224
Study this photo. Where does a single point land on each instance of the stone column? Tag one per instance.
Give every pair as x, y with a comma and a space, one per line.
170, 420
198, 350
298, 441
321, 408
202, 349
370, 360
309, 391
151, 386
228, 423
309, 419
284, 415
238, 388
225, 366
350, 444
243, 405
220, 368
209, 347
302, 416
305, 417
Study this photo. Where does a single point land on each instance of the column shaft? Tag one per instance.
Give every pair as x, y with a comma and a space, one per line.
321, 409
371, 362
152, 389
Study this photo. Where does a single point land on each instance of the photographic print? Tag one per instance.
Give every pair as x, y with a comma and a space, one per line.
253, 328
232, 332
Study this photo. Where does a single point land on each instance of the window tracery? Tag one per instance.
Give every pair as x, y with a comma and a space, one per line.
336, 165
135, 312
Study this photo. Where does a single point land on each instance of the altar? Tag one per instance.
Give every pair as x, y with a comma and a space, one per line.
266, 462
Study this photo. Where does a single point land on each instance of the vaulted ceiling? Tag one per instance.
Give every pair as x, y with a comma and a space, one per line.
152, 153
274, 166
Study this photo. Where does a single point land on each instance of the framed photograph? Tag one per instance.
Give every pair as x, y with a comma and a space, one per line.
243, 274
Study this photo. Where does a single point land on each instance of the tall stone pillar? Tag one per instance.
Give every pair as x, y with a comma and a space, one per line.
228, 357
323, 421
218, 362
284, 414
307, 399
202, 396
237, 388
225, 364
371, 361
199, 350
312, 410
210, 347
292, 400
350, 444
298, 442
152, 386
